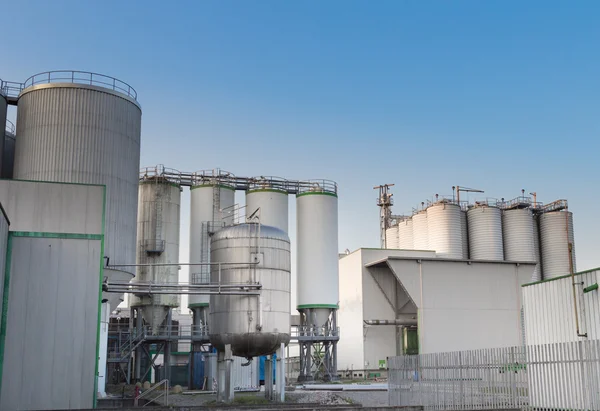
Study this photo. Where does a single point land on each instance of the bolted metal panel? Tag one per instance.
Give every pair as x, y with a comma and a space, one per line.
85, 134
157, 243
420, 231
405, 234
485, 233
205, 218
556, 232
253, 325
273, 207
444, 230
465, 234
317, 251
520, 238
391, 237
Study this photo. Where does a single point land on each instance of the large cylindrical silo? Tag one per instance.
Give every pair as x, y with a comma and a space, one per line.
519, 234
159, 206
253, 325
485, 233
317, 254
444, 230
391, 237
8, 154
405, 234
465, 234
211, 202
264, 193
420, 231
86, 133
556, 232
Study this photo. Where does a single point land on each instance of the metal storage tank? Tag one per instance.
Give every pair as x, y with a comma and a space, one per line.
519, 235
211, 200
465, 234
76, 127
8, 154
444, 230
265, 192
391, 237
420, 231
538, 249
485, 233
317, 252
405, 234
3, 111
253, 325
158, 243
556, 232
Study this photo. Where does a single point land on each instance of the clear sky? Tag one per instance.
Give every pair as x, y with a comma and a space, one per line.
497, 95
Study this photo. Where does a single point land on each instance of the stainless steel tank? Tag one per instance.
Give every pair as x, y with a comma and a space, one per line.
520, 233
72, 132
253, 325
158, 243
444, 230
485, 233
556, 232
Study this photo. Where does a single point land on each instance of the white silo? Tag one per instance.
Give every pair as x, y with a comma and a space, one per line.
391, 237
520, 238
556, 232
211, 208
93, 137
266, 193
538, 248
465, 234
317, 253
420, 231
485, 233
158, 243
444, 230
405, 234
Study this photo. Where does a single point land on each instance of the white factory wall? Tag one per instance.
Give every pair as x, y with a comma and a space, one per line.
549, 309
361, 299
4, 227
465, 306
51, 339
550, 318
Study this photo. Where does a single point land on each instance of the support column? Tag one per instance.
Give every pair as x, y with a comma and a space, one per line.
269, 378
138, 332
280, 374
167, 349
225, 385
228, 376
104, 322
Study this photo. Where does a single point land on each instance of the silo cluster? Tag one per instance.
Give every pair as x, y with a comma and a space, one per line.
492, 231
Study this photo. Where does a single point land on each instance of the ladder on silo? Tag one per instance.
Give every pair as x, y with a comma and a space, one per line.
158, 216
217, 201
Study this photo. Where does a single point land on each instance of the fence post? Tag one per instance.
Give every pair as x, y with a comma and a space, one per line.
513, 379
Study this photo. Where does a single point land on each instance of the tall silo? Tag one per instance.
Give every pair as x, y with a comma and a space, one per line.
78, 127
420, 231
405, 234
485, 233
253, 325
317, 253
520, 238
212, 201
266, 193
8, 154
556, 232
391, 237
465, 234
444, 230
159, 206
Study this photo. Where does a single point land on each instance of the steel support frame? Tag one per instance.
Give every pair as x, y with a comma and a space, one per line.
318, 351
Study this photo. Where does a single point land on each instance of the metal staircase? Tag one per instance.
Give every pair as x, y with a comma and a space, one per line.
123, 353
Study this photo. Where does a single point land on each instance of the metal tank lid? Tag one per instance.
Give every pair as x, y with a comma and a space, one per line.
74, 78
241, 230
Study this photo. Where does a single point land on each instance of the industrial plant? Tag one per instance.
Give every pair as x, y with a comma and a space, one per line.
90, 273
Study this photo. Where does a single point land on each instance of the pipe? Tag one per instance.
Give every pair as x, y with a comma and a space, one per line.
171, 264
590, 288
573, 278
404, 322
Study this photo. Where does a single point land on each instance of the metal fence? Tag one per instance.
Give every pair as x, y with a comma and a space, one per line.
550, 377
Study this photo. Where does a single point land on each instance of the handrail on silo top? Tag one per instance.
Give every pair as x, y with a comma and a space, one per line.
79, 77
317, 186
10, 127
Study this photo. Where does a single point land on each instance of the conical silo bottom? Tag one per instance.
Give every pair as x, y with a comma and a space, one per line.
154, 316
320, 316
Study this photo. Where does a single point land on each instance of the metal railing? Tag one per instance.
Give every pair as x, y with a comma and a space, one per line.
311, 331
317, 186
154, 389
10, 127
551, 376
153, 246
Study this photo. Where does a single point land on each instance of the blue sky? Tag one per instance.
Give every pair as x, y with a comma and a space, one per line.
498, 95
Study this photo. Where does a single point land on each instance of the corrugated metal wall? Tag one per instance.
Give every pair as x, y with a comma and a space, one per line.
52, 324
80, 134
550, 313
